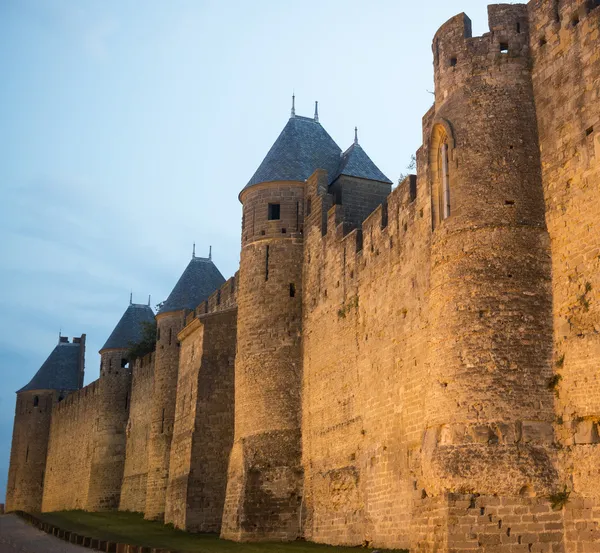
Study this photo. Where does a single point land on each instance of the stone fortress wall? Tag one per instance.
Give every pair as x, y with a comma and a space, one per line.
70, 451
135, 475
424, 377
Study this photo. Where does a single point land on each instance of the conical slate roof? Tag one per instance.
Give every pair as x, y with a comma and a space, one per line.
129, 329
199, 280
356, 163
302, 147
61, 371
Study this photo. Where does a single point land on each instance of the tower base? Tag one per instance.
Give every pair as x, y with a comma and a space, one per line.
264, 490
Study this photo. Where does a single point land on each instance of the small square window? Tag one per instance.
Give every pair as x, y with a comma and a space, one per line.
453, 62
274, 212
504, 47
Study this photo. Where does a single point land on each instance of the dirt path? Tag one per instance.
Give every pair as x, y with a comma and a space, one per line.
17, 536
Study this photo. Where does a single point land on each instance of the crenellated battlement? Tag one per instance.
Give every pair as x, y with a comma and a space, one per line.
223, 298
411, 368
458, 55
75, 399
556, 25
382, 233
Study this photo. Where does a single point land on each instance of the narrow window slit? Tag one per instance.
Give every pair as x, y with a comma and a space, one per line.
267, 264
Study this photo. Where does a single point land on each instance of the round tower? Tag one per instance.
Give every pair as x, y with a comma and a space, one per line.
199, 280
265, 476
490, 406
114, 388
61, 374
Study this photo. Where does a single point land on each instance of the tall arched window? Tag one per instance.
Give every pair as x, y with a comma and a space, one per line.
444, 179
440, 156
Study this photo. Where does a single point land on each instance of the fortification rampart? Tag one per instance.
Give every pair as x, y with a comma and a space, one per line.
223, 299
364, 365
135, 474
444, 349
566, 82
70, 450
203, 433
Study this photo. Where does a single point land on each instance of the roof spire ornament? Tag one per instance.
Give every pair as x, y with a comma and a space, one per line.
131, 298
194, 251
355, 135
148, 300
293, 113
59, 334
316, 112
209, 253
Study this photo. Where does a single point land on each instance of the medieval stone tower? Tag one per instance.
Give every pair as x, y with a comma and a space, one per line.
410, 368
113, 404
490, 301
200, 278
265, 480
264, 466
61, 374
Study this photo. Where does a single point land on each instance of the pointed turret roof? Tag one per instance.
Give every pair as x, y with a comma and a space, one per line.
302, 147
129, 328
63, 370
199, 280
356, 163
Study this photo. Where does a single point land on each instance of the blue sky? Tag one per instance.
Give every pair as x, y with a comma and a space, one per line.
127, 130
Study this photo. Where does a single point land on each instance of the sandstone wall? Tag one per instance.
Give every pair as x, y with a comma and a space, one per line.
364, 375
70, 450
566, 79
135, 475
162, 411
203, 433
108, 459
360, 197
490, 411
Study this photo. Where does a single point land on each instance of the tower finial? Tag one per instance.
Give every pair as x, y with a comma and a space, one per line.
316, 112
293, 113
59, 334
355, 135
131, 297
209, 253
194, 250
148, 300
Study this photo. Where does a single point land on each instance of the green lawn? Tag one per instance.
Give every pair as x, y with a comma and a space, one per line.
133, 529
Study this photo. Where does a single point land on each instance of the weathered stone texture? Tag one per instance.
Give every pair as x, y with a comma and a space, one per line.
162, 411
264, 467
566, 80
415, 369
135, 475
203, 432
70, 450
112, 411
359, 197
363, 374
28, 452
